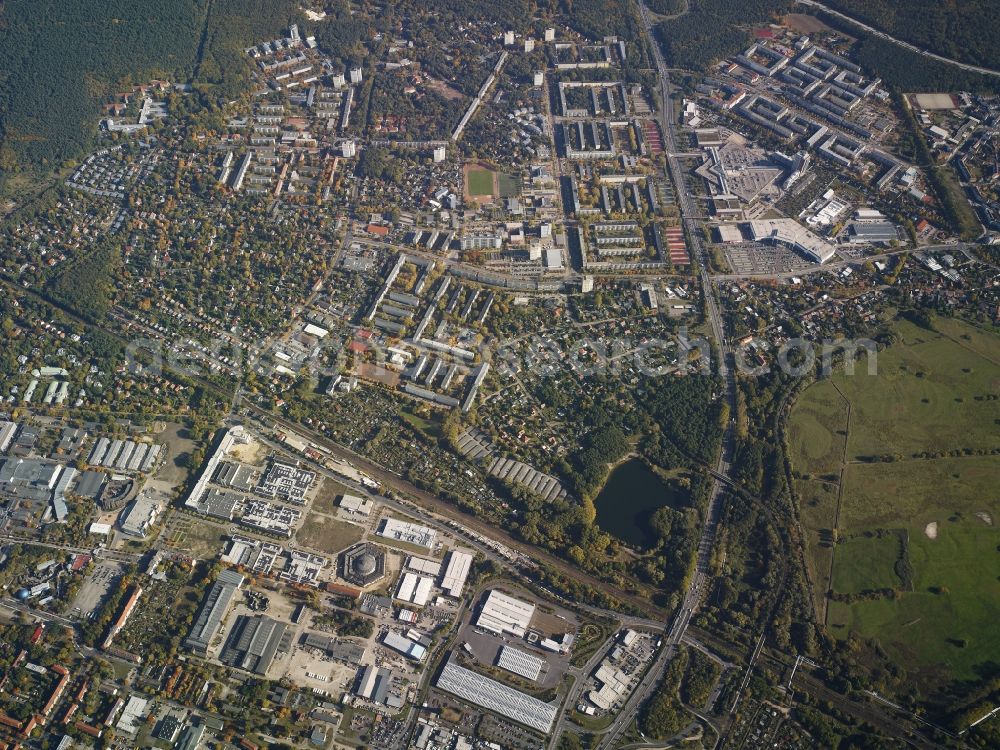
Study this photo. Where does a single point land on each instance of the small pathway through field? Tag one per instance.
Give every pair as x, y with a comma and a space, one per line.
840, 498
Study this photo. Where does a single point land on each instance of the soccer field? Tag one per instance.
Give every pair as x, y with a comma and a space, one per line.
480, 182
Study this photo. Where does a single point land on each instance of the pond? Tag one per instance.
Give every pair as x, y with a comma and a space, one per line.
628, 500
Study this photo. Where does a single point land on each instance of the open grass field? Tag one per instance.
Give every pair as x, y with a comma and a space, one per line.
947, 624
930, 394
197, 537
328, 493
480, 182
327, 535
984, 343
915, 493
935, 394
509, 185
430, 428
865, 563
804, 24
817, 515
927, 396
817, 430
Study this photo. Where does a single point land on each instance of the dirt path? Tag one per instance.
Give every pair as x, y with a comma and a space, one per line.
969, 348
840, 500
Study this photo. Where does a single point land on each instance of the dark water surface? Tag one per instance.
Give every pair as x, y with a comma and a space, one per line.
628, 500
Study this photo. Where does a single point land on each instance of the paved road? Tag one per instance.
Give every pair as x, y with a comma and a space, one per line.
100, 552
688, 213
699, 580
899, 42
39, 614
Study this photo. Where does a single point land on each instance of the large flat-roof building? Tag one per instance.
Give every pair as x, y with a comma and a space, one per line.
487, 693
404, 531
233, 436
480, 242
91, 485
31, 485
253, 643
406, 646
872, 232
252, 554
614, 686
287, 482
519, 662
339, 650
29, 473
414, 589
236, 476
504, 614
424, 566
191, 737
133, 715
372, 683
359, 506
213, 611
789, 233
139, 516
7, 430
453, 581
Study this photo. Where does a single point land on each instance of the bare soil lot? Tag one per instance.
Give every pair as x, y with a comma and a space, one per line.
95, 588
804, 23
327, 535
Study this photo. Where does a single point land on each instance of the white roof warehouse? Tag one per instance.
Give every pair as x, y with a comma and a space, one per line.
495, 696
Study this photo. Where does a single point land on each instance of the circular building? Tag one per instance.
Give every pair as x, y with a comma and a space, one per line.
363, 564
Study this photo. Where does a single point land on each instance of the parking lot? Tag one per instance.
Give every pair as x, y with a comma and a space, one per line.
752, 257
306, 666
95, 588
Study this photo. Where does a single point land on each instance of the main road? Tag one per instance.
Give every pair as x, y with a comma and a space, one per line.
689, 217
702, 573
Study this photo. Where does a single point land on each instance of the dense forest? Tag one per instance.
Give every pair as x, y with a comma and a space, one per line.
667, 7
663, 715
342, 35
713, 30
60, 59
599, 18
912, 72
513, 14
907, 70
686, 422
85, 286
964, 31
